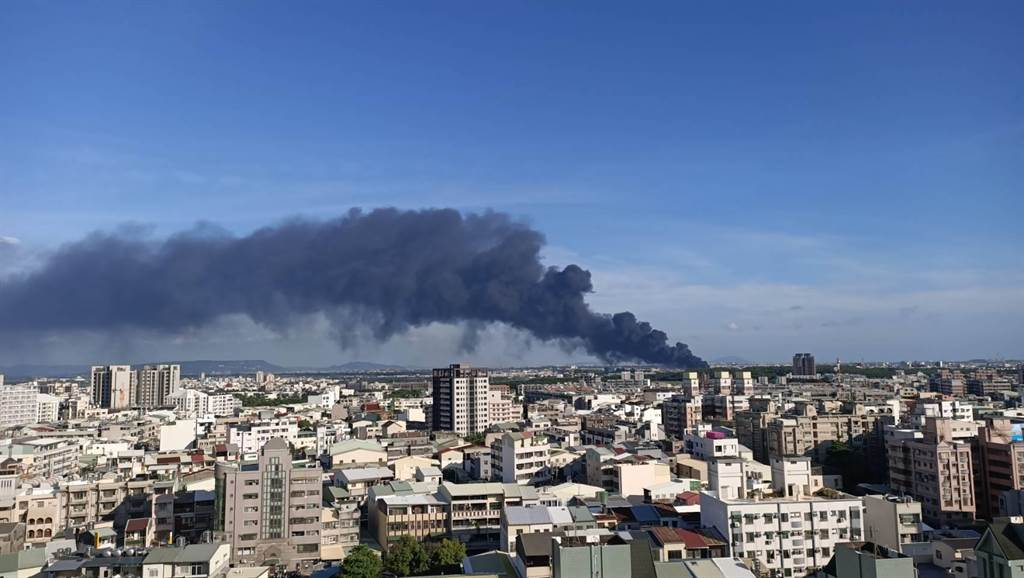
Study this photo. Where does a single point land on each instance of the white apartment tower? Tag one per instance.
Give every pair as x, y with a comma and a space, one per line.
461, 396
18, 405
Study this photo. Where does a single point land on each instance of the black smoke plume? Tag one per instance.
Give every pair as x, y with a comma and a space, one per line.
389, 268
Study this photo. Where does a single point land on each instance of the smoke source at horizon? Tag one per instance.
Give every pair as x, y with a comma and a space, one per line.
386, 269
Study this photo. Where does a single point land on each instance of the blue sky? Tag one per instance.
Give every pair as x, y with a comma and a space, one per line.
757, 178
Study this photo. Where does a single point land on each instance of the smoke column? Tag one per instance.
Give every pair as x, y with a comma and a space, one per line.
389, 268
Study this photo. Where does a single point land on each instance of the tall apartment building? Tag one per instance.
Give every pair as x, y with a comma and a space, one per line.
804, 366
18, 405
113, 386
681, 414
461, 395
269, 509
998, 464
156, 385
935, 468
520, 458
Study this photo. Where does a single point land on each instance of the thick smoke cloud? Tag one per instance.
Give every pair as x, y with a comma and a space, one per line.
388, 268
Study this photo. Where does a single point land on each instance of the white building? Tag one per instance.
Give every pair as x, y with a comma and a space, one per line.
520, 458
195, 403
47, 408
792, 533
18, 405
251, 437
706, 446
223, 404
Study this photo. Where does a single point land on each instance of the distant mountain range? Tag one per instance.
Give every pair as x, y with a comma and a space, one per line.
195, 367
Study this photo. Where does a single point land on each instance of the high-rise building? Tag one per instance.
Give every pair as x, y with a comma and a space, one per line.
935, 468
269, 509
803, 365
18, 404
461, 395
156, 383
113, 386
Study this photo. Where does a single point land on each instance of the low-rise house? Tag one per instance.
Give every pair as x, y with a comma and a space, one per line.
192, 561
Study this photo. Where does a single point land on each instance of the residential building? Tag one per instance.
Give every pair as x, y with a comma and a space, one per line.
252, 436
420, 516
520, 458
892, 521
811, 434
868, 560
461, 395
156, 385
792, 533
47, 457
113, 386
47, 408
18, 405
516, 520
804, 366
680, 414
936, 470
998, 455
1000, 552
502, 406
269, 509
474, 510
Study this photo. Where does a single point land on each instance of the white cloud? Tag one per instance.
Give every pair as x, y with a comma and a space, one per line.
9, 241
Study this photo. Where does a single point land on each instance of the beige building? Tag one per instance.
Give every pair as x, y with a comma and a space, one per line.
681, 414
270, 509
935, 468
811, 434
892, 521
421, 516
339, 531
630, 479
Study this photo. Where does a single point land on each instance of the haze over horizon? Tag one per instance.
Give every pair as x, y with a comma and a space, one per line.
837, 179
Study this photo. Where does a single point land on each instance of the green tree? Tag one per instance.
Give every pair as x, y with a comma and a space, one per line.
406, 557
305, 424
361, 562
446, 556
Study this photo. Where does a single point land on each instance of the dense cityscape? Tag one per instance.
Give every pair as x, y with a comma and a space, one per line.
511, 289
896, 470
